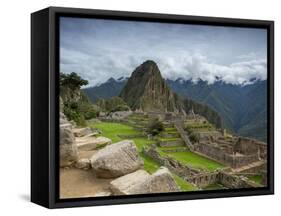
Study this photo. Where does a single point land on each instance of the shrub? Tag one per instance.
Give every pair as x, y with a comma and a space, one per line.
188, 129
194, 137
75, 116
72, 80
155, 127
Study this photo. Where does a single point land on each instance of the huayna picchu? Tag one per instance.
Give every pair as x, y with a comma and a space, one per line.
146, 90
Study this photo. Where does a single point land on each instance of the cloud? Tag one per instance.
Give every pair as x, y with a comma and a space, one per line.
100, 49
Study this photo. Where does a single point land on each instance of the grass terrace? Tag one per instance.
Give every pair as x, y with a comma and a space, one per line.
194, 160
112, 130
184, 185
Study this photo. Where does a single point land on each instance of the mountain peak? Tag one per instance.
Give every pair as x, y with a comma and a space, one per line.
149, 62
111, 79
146, 90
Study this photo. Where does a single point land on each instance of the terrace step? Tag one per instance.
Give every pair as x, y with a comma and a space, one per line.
171, 142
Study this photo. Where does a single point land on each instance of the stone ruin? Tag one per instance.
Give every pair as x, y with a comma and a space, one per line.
200, 178
235, 152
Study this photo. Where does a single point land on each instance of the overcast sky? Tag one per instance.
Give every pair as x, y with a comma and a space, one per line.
99, 49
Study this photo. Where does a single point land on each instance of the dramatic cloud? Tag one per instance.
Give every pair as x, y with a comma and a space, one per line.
100, 49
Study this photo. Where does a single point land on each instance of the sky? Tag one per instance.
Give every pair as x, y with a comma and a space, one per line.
98, 49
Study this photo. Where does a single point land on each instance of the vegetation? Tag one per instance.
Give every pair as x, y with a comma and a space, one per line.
194, 160
184, 185
214, 187
72, 81
155, 127
194, 137
256, 178
113, 104
203, 110
76, 105
112, 130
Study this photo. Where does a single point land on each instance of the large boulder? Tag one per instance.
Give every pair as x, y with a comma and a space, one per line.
140, 182
68, 148
91, 143
125, 184
80, 132
116, 160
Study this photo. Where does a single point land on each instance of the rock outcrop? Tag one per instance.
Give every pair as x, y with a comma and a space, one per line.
141, 182
116, 160
83, 163
146, 90
89, 143
68, 148
79, 132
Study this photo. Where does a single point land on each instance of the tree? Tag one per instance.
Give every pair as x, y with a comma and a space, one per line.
72, 80
155, 127
194, 137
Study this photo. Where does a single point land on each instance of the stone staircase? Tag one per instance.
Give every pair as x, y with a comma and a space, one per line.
183, 134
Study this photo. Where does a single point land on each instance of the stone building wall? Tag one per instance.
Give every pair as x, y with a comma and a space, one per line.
233, 181
171, 143
218, 154
215, 153
249, 146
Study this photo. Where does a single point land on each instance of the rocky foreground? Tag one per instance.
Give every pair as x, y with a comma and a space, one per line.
92, 166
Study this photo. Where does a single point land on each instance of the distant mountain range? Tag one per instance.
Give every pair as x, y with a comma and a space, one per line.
109, 89
243, 108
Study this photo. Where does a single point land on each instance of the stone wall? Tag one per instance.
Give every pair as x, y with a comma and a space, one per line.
179, 149
173, 165
183, 135
233, 181
197, 177
249, 146
218, 154
204, 179
171, 143
221, 177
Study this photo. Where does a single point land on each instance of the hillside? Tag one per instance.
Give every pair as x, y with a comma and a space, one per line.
106, 90
242, 108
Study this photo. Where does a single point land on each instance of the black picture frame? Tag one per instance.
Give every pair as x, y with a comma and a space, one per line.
45, 106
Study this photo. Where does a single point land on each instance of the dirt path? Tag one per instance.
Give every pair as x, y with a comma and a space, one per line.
75, 183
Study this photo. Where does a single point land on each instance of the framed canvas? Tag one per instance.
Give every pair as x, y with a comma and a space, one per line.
138, 107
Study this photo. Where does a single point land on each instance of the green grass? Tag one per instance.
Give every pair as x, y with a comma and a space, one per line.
184, 185
112, 130
194, 160
170, 129
256, 178
149, 165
